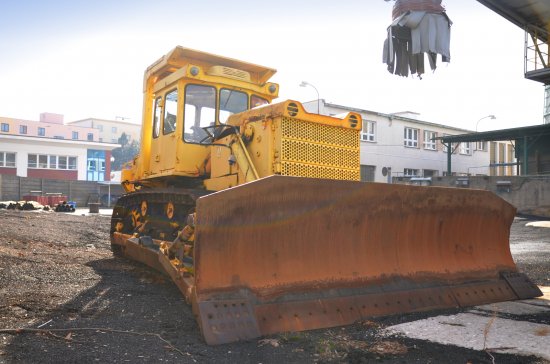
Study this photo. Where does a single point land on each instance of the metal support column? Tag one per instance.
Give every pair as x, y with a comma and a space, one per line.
449, 154
525, 169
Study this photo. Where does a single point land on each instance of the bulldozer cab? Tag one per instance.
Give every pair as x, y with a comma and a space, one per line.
185, 92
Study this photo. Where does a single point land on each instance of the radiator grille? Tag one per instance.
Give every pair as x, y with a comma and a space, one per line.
319, 133
318, 150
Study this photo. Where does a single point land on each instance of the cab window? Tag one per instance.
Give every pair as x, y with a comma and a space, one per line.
170, 112
232, 102
199, 112
256, 101
156, 117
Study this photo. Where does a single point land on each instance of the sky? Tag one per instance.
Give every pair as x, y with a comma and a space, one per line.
87, 59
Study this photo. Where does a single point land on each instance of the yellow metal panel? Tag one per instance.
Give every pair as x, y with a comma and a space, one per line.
229, 72
221, 183
300, 151
320, 133
243, 160
319, 151
312, 171
180, 56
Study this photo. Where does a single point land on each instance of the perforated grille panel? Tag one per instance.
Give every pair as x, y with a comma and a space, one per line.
319, 133
319, 151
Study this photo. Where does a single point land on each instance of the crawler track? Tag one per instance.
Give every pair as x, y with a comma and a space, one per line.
160, 214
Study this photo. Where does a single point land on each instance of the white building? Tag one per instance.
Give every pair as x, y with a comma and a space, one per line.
397, 145
50, 149
109, 131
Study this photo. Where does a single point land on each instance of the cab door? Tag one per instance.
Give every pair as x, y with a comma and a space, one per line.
169, 137
155, 156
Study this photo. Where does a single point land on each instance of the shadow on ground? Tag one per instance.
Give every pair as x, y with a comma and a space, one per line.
132, 298
129, 297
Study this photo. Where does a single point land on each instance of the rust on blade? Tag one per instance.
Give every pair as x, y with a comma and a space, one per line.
522, 285
292, 254
132, 249
285, 234
310, 253
227, 321
183, 281
483, 292
328, 312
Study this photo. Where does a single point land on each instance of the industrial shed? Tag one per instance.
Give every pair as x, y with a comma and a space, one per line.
531, 144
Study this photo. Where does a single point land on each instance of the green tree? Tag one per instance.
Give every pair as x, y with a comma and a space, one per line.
123, 140
125, 153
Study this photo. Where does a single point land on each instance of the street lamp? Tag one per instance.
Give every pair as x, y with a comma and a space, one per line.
485, 117
110, 175
304, 84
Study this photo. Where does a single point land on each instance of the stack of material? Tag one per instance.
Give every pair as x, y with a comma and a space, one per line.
23, 205
64, 207
419, 27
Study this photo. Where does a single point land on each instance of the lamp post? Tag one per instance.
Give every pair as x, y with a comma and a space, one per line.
109, 196
485, 117
304, 84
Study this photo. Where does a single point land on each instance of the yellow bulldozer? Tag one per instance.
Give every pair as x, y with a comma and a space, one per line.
257, 212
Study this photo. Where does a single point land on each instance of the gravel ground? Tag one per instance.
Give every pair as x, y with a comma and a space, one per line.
57, 275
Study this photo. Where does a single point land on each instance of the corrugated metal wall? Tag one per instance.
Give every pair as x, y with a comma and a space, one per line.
81, 192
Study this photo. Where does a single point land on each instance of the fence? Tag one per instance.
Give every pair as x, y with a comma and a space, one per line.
529, 194
14, 188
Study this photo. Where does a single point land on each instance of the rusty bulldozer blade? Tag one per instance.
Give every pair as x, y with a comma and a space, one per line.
289, 254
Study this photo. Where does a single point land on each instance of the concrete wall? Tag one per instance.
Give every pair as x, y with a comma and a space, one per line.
13, 188
529, 194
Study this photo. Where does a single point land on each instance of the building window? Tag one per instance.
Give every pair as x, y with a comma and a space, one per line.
95, 170
32, 161
409, 172
53, 162
465, 148
113, 129
411, 138
5, 127
43, 161
367, 173
429, 140
41, 131
100, 127
75, 135
90, 137
481, 146
368, 132
62, 162
72, 163
7, 159
22, 129
430, 173
91, 165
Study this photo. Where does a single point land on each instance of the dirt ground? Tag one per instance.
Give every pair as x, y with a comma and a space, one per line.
59, 278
